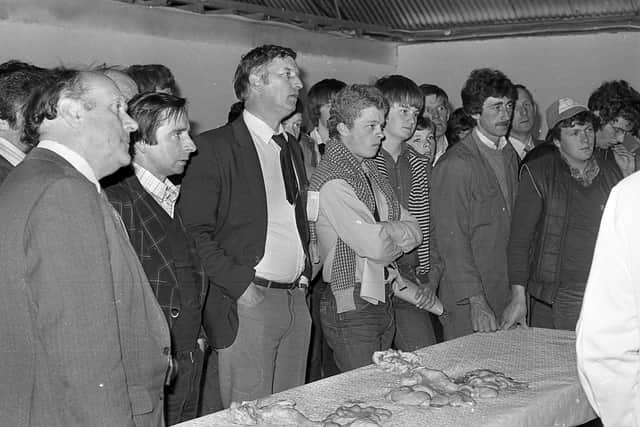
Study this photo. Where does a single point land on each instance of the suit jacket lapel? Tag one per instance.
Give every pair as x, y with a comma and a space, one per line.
251, 163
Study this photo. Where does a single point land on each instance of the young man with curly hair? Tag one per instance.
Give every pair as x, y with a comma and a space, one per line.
357, 231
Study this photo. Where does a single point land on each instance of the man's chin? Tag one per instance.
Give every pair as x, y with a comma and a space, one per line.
124, 160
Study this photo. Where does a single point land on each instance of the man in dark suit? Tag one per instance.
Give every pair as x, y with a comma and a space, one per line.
18, 80
243, 201
145, 200
523, 124
84, 340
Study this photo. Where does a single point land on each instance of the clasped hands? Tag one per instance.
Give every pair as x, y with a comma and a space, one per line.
483, 318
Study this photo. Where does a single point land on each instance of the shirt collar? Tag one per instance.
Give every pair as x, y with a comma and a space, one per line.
489, 143
258, 127
315, 135
521, 145
164, 191
10, 152
75, 159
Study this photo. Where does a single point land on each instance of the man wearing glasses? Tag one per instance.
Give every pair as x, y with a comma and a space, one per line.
614, 103
473, 193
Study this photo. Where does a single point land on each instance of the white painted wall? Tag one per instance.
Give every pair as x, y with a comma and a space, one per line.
551, 67
202, 51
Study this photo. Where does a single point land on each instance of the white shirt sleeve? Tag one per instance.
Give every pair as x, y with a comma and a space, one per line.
608, 331
381, 242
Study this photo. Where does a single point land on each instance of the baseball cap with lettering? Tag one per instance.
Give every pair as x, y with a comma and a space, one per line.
562, 109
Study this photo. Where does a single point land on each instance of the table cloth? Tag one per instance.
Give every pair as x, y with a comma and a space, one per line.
545, 358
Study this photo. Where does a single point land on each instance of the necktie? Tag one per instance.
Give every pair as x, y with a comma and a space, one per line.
170, 195
288, 172
293, 192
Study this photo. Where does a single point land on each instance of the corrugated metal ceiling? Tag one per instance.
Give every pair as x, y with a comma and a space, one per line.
413, 21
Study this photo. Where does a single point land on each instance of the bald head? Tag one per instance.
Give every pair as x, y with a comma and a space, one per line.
125, 84
86, 112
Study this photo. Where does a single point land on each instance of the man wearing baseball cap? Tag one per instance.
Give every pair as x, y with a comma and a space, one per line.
557, 213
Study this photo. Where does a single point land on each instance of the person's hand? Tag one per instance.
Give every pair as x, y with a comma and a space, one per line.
425, 297
516, 312
482, 317
625, 159
252, 296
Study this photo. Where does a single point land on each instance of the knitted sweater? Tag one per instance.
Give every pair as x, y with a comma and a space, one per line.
339, 163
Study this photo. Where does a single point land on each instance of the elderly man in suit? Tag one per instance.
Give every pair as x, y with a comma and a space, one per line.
146, 202
243, 201
84, 339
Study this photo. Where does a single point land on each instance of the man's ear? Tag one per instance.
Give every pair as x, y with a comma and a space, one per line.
475, 117
556, 142
72, 111
255, 80
343, 129
4, 125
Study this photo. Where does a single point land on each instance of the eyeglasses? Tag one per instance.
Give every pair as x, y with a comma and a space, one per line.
501, 107
620, 132
439, 111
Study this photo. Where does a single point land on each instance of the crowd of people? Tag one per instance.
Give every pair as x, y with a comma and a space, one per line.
147, 278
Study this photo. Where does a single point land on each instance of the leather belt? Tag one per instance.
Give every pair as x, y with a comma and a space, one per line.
278, 285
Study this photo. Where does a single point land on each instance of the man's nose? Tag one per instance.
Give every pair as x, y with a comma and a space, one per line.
297, 83
128, 123
189, 145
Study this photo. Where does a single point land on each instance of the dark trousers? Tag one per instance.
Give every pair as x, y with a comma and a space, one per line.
355, 335
563, 313
414, 328
210, 400
321, 363
183, 394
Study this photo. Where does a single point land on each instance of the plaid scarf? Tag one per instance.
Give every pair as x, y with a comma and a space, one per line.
590, 173
418, 204
339, 163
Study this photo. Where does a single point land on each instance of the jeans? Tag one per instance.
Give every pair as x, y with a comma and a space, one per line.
565, 310
355, 335
414, 328
270, 351
183, 394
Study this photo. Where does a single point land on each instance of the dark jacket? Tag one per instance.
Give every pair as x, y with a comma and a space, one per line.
148, 225
606, 155
5, 168
536, 251
224, 205
471, 222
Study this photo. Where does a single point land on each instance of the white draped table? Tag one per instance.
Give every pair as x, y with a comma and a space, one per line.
543, 357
